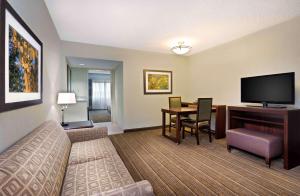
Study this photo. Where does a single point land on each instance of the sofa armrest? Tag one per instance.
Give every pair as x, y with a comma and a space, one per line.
141, 188
85, 134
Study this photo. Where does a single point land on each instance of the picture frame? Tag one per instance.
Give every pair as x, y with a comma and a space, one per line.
157, 82
21, 62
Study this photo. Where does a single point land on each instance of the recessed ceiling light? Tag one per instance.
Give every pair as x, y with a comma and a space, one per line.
81, 64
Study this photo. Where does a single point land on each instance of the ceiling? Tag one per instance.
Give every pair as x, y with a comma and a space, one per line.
155, 25
93, 63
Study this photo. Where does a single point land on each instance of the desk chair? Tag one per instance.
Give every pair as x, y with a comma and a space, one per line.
203, 118
174, 102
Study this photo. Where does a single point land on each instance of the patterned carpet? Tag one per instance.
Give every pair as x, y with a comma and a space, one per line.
207, 169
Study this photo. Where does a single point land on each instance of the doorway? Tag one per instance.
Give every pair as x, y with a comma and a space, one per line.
99, 84
107, 105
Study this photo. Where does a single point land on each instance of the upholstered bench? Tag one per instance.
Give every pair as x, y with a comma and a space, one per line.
259, 143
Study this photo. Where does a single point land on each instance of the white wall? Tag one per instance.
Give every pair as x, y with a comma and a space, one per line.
118, 106
79, 85
15, 124
79, 82
216, 72
76, 112
139, 110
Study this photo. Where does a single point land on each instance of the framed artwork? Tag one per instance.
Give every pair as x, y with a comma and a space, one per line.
21, 62
157, 82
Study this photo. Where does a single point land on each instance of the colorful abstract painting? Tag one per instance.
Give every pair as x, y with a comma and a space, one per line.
157, 82
23, 64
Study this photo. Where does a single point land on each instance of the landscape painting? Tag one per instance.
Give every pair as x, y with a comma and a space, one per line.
23, 64
157, 82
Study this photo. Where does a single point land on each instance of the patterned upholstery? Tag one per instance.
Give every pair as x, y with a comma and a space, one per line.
80, 135
174, 102
36, 164
82, 152
204, 111
142, 188
192, 123
96, 176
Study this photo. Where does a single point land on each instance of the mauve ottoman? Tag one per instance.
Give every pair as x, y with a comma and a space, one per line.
259, 143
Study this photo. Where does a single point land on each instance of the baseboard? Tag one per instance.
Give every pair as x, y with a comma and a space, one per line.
142, 129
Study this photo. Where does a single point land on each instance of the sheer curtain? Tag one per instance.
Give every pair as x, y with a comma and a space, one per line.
101, 97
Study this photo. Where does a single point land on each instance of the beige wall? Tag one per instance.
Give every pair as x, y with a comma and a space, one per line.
139, 110
17, 123
216, 72
212, 73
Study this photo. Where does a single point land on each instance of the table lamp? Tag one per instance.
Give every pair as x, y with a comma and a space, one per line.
65, 99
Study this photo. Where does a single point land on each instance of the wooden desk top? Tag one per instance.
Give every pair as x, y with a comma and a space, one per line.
189, 108
195, 103
181, 110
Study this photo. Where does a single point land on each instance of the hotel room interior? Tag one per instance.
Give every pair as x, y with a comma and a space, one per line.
128, 97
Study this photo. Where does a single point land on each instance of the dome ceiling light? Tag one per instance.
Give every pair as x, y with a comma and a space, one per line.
181, 48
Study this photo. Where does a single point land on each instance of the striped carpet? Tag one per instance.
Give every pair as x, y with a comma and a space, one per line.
207, 169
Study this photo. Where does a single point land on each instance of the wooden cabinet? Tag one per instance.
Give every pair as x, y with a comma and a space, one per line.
280, 121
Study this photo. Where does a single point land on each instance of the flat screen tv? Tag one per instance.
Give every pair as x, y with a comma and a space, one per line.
276, 89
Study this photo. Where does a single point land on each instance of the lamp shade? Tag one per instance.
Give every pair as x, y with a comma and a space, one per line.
66, 98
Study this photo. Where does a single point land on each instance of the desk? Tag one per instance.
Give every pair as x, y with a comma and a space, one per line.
220, 111
79, 125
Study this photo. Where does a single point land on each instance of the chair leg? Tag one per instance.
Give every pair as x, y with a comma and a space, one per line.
228, 148
268, 162
209, 133
191, 132
170, 124
183, 130
197, 135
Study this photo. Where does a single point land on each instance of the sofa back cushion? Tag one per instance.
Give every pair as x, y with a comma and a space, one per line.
36, 164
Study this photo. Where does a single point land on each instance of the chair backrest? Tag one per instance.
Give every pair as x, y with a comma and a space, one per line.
174, 102
204, 109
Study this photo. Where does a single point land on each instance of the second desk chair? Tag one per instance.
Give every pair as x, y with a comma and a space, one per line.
203, 118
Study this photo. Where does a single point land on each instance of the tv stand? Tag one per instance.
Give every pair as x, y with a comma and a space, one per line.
283, 122
265, 104
273, 106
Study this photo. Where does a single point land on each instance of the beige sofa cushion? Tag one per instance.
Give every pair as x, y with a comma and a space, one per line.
96, 176
36, 164
82, 152
141, 188
86, 134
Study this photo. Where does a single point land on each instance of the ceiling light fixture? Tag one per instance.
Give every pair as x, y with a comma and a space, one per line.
181, 48
81, 64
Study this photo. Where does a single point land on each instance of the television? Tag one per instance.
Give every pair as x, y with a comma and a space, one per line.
276, 89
